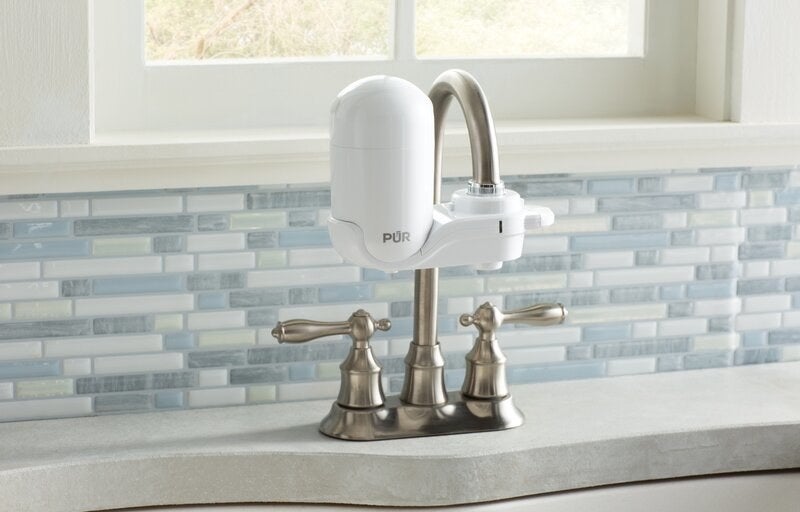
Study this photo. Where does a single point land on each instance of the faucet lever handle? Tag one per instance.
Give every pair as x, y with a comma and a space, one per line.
360, 326
488, 318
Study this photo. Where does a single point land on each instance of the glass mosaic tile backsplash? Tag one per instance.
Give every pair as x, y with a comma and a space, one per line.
138, 301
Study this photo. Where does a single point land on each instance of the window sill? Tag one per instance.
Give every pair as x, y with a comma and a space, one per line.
131, 161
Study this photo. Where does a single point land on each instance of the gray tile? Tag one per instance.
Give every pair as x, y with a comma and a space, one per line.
792, 284
75, 288
302, 218
757, 286
610, 186
646, 258
212, 222
303, 296
757, 355
212, 358
683, 237
669, 363
716, 271
397, 365
167, 243
553, 188
260, 374
616, 241
643, 221
122, 403
216, 281
680, 309
794, 213
122, 324
346, 293
297, 353
304, 238
260, 317
560, 371
708, 359
256, 298
5, 230
634, 294
649, 185
784, 337
289, 199
769, 233
122, 383
132, 225
641, 347
721, 324
404, 308
49, 329
568, 298
579, 352
765, 179
761, 251
646, 203
547, 263
262, 240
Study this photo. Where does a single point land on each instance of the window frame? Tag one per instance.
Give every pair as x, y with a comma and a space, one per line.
132, 95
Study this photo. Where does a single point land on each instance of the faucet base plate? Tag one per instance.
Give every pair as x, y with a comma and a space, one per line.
396, 419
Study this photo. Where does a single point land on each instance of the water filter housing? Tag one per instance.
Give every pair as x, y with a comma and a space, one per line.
382, 166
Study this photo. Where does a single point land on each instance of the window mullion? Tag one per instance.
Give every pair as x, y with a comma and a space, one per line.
403, 30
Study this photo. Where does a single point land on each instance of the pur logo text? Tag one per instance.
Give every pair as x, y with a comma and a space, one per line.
397, 237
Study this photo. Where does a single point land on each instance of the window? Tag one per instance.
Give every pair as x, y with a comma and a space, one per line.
621, 76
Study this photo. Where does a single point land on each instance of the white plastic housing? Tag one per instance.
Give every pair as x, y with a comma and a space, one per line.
382, 166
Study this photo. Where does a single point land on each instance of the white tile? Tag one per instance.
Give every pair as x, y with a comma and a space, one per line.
102, 345
46, 408
29, 290
758, 198
557, 335
713, 218
762, 216
298, 276
134, 305
6, 390
617, 367
682, 326
785, 268
216, 397
137, 205
399, 347
536, 355
559, 206
5, 311
216, 320
721, 341
720, 236
19, 271
215, 202
767, 303
791, 353
699, 183
314, 257
226, 261
644, 276
793, 250
628, 312
454, 342
537, 244
582, 205
308, 390
77, 366
75, 208
616, 259
138, 363
794, 178
718, 307
28, 210
579, 224
528, 282
334, 312
683, 255
179, 263
645, 329
380, 347
215, 242
713, 200
212, 378
20, 350
323, 216
758, 321
724, 253
756, 269
102, 266
673, 220
581, 279
791, 319
460, 305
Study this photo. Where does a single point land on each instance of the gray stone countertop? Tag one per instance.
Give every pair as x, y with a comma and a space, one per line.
578, 434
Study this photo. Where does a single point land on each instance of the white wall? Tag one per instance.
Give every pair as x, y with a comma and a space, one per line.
45, 72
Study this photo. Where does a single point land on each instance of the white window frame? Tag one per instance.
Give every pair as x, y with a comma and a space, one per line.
133, 95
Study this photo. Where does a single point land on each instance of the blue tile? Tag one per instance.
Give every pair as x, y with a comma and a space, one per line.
788, 197
618, 241
646, 203
754, 339
606, 332
539, 188
672, 292
305, 237
708, 359
711, 290
169, 399
304, 371
25, 369
611, 186
212, 358
454, 378
726, 182
143, 284
52, 249
582, 370
41, 229
345, 293
178, 340
757, 355
371, 274
784, 337
211, 300
764, 179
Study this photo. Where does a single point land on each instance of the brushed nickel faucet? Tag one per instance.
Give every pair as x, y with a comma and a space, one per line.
424, 407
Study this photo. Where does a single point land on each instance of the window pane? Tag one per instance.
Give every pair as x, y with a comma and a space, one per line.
242, 29
523, 28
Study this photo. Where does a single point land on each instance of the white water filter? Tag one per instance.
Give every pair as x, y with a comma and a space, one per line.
382, 167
